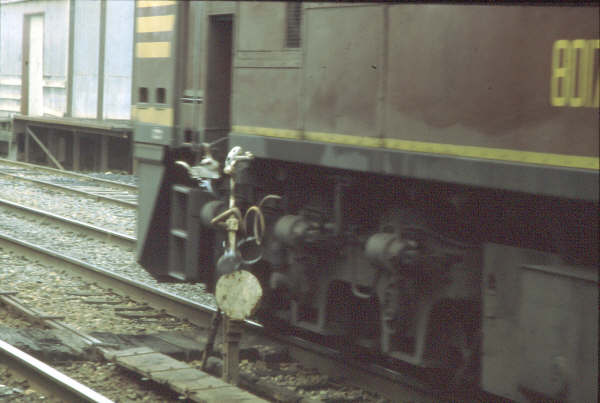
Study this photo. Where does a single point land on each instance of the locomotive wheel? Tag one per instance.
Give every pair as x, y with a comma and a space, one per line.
454, 341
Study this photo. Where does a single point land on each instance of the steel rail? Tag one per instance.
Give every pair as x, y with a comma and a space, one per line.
71, 190
389, 383
195, 312
9, 300
68, 173
46, 379
88, 229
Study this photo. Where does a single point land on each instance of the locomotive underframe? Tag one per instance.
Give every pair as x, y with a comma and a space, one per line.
396, 265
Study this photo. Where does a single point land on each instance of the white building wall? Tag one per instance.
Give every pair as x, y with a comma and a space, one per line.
118, 59
56, 32
117, 62
85, 59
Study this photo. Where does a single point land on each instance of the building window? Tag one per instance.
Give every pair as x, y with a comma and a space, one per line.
293, 19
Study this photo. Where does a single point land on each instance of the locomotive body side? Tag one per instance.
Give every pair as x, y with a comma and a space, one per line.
437, 167
503, 97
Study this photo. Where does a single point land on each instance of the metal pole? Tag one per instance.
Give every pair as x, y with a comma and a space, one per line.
43, 147
232, 334
104, 153
71, 56
196, 40
101, 51
26, 150
13, 149
76, 150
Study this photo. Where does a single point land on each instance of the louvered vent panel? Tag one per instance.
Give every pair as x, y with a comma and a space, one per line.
294, 15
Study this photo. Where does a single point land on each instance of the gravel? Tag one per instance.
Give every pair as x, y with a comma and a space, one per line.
103, 253
105, 378
40, 172
307, 384
119, 259
116, 383
87, 307
16, 389
114, 176
13, 321
86, 209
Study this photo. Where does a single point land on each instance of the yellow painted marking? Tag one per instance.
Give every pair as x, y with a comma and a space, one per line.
530, 157
158, 23
157, 116
152, 49
571, 161
266, 131
154, 3
579, 75
575, 78
361, 141
559, 84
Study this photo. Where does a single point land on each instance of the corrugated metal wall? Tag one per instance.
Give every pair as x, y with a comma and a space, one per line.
117, 63
118, 59
85, 58
12, 15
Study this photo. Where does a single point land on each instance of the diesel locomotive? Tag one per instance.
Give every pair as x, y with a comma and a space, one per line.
418, 179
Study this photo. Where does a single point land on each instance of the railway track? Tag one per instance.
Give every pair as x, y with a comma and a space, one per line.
62, 343
74, 225
66, 181
198, 314
45, 378
308, 354
93, 211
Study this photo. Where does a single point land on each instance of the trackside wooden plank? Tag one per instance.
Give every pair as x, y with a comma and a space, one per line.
224, 395
182, 378
112, 354
148, 363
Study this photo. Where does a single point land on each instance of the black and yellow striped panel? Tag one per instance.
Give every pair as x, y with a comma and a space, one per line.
154, 62
154, 27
